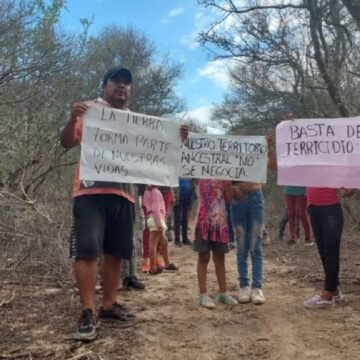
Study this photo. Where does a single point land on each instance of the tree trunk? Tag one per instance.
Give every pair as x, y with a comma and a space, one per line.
332, 88
353, 7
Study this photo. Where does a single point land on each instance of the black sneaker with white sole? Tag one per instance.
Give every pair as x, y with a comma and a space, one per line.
87, 325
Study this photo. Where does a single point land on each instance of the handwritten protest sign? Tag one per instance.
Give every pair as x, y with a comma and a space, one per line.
121, 146
319, 152
242, 158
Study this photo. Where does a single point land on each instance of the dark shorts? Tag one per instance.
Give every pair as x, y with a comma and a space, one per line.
203, 246
103, 224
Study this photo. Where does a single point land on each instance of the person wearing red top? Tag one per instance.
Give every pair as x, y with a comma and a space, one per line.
327, 221
154, 205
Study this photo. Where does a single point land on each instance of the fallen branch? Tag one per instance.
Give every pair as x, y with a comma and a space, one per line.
14, 356
80, 356
7, 302
27, 254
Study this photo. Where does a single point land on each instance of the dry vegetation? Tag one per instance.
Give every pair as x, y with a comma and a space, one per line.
39, 306
43, 70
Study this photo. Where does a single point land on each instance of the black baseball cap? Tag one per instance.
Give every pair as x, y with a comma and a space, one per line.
117, 73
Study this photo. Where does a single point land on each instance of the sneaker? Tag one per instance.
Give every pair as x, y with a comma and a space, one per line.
160, 263
291, 242
178, 244
171, 267
116, 312
156, 271
308, 243
132, 282
145, 267
338, 297
206, 301
231, 245
257, 296
87, 325
317, 302
244, 295
227, 299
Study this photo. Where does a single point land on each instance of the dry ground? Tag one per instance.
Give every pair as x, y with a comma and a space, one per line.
38, 314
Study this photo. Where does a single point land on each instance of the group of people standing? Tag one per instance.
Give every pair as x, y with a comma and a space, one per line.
104, 216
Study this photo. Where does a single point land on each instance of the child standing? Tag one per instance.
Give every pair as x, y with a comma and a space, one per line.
212, 236
169, 200
154, 205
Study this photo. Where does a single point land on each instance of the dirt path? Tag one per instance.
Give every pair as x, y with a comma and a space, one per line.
279, 329
38, 322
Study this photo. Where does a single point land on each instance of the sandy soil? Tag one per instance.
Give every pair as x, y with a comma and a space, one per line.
38, 315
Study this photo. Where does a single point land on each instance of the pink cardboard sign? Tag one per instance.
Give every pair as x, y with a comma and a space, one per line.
319, 152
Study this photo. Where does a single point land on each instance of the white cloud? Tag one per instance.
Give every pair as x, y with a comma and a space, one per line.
190, 41
172, 13
176, 12
202, 20
202, 116
218, 72
215, 130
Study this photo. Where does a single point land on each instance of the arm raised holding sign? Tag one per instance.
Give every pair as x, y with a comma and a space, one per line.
71, 134
272, 163
247, 210
184, 132
103, 206
327, 220
103, 217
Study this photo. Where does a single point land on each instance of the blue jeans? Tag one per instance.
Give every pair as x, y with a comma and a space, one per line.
248, 223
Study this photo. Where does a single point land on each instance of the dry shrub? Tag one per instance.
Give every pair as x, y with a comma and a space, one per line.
34, 236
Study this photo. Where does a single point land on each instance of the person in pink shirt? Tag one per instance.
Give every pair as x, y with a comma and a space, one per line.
154, 204
327, 221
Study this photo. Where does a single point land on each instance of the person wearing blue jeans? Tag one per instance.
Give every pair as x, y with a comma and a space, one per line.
181, 212
248, 222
